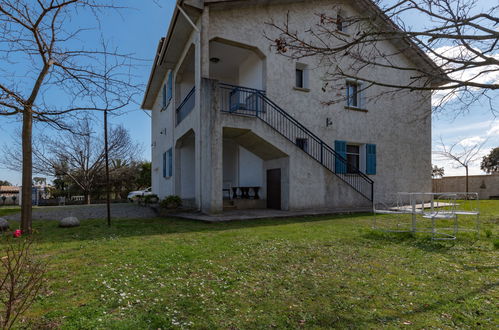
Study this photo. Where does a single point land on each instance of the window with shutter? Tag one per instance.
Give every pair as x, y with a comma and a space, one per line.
164, 165
370, 159
339, 163
170, 162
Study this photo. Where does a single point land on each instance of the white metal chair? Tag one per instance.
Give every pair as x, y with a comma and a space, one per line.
442, 207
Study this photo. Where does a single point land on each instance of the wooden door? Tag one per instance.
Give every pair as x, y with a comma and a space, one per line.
274, 189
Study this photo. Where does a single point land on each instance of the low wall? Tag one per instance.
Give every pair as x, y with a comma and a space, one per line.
485, 185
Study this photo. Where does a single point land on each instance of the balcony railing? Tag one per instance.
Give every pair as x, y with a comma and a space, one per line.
186, 106
242, 100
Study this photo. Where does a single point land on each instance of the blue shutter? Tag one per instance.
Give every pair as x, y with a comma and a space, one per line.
170, 162
170, 86
164, 96
371, 159
341, 149
164, 164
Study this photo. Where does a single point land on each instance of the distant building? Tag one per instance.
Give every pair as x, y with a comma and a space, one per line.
9, 192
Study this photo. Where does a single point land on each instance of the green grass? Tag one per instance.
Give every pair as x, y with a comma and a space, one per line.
317, 272
9, 209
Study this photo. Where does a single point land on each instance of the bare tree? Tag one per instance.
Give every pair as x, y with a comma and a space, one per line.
80, 157
47, 73
463, 154
454, 51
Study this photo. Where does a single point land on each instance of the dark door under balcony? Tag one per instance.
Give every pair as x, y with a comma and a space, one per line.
274, 189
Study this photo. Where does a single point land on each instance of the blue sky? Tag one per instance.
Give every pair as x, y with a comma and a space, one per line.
138, 30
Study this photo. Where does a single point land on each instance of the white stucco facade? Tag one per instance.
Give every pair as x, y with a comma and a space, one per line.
213, 150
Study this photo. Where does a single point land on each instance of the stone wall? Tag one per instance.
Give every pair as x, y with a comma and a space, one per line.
485, 185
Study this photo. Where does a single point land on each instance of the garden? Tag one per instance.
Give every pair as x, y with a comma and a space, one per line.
308, 272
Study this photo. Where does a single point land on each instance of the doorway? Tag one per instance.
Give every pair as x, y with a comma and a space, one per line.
274, 189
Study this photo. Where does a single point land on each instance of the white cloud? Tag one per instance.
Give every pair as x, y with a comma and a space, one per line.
493, 130
472, 141
487, 74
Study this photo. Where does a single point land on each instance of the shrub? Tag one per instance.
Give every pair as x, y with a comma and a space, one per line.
153, 198
22, 277
171, 202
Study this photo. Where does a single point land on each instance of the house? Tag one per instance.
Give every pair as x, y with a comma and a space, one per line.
10, 193
236, 125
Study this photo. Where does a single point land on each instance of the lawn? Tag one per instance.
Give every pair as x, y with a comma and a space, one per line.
321, 272
8, 209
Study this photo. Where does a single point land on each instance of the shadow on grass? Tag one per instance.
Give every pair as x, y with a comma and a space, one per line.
441, 303
424, 243
48, 231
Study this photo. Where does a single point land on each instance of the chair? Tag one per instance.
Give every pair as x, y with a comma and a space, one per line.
442, 207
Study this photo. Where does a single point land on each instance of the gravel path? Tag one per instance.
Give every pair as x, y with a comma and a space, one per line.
82, 212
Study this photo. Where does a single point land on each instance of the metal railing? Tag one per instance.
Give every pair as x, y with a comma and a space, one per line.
253, 102
186, 106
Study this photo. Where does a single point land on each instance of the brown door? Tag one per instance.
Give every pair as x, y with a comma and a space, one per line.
274, 189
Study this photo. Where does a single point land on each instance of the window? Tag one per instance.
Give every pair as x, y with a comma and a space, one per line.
340, 23
167, 91
353, 94
302, 143
353, 158
301, 76
164, 164
168, 163
370, 159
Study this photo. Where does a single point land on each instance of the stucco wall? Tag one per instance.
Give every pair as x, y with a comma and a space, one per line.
161, 140
484, 185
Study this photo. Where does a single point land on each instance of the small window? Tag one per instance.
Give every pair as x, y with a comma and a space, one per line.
353, 158
353, 94
302, 143
340, 23
299, 78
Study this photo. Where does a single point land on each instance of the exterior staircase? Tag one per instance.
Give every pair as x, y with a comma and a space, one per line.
252, 102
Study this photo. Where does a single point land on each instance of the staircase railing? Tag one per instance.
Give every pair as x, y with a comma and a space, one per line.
253, 102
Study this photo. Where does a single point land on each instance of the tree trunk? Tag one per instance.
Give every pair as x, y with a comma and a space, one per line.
27, 132
108, 188
87, 198
466, 180
27, 137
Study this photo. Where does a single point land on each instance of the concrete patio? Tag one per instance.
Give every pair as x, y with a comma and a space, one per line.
233, 215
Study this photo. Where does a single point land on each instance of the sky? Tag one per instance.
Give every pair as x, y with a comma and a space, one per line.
137, 30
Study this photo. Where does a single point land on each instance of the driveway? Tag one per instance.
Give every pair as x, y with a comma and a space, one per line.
83, 212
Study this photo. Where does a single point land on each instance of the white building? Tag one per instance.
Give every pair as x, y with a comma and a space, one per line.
231, 118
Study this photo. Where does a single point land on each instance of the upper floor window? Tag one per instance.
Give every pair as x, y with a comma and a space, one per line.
301, 76
354, 95
340, 23
168, 90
